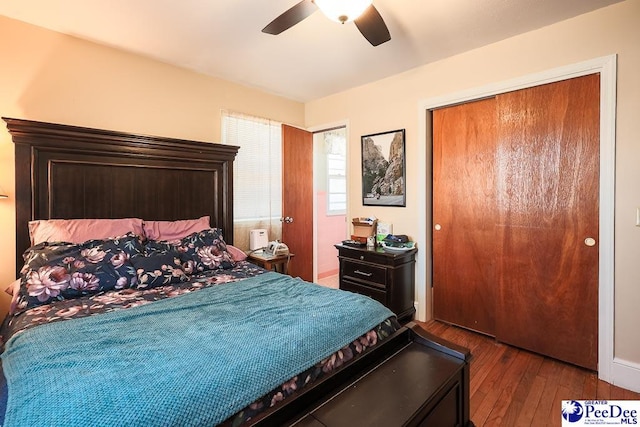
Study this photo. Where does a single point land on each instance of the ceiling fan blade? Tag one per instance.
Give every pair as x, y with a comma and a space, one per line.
372, 26
291, 17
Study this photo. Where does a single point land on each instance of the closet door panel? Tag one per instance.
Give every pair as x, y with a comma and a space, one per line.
547, 197
464, 215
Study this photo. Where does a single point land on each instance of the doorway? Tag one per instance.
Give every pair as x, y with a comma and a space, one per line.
314, 202
330, 192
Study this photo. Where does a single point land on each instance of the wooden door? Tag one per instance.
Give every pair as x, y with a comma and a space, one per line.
515, 210
548, 171
464, 214
297, 199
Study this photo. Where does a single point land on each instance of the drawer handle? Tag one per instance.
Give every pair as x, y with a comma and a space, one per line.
362, 273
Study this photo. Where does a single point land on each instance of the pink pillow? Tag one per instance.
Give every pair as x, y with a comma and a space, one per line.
174, 230
81, 230
236, 253
14, 290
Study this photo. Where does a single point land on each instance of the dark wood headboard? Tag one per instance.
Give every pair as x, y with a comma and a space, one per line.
75, 172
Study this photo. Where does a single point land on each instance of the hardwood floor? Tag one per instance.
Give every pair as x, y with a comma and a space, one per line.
330, 281
514, 387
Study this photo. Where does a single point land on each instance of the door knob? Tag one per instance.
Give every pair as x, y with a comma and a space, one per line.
590, 241
437, 227
287, 219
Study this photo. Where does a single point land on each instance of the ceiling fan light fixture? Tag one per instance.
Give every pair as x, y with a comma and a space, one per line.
343, 10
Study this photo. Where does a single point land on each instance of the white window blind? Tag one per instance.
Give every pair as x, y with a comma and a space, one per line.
257, 174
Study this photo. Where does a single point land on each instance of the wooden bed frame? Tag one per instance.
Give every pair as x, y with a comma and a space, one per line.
75, 172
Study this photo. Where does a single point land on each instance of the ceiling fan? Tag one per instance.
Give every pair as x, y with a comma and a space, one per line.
362, 12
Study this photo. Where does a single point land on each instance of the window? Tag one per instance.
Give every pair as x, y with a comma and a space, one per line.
257, 175
336, 185
335, 147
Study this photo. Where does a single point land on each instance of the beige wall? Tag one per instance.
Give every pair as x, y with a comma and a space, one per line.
50, 77
393, 103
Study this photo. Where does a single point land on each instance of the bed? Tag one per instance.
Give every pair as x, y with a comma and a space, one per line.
154, 328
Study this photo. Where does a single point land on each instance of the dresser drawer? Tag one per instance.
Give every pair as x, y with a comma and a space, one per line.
373, 293
372, 275
372, 257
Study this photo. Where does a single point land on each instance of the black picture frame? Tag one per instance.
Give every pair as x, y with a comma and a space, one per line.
383, 169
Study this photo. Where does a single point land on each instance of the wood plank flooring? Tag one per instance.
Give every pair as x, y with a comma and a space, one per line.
514, 387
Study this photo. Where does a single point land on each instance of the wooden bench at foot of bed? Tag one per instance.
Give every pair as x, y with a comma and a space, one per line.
421, 380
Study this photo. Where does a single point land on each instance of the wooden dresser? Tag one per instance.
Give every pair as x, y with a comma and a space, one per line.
388, 277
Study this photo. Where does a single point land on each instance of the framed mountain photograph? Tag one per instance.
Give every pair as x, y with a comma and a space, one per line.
383, 169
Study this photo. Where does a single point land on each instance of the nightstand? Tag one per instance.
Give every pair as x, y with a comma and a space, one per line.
388, 277
278, 263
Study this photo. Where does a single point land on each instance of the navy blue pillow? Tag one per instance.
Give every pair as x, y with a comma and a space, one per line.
158, 269
60, 270
201, 251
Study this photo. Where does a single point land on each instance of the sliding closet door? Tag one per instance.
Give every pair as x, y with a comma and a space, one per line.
464, 215
548, 180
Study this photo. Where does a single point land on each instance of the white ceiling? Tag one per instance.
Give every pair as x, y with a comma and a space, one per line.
313, 59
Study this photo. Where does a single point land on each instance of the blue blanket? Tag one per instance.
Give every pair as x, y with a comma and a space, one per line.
190, 360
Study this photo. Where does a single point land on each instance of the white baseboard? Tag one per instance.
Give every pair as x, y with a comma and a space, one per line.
416, 305
625, 374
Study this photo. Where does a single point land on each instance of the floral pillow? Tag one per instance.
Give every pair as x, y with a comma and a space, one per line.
61, 270
158, 269
201, 251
